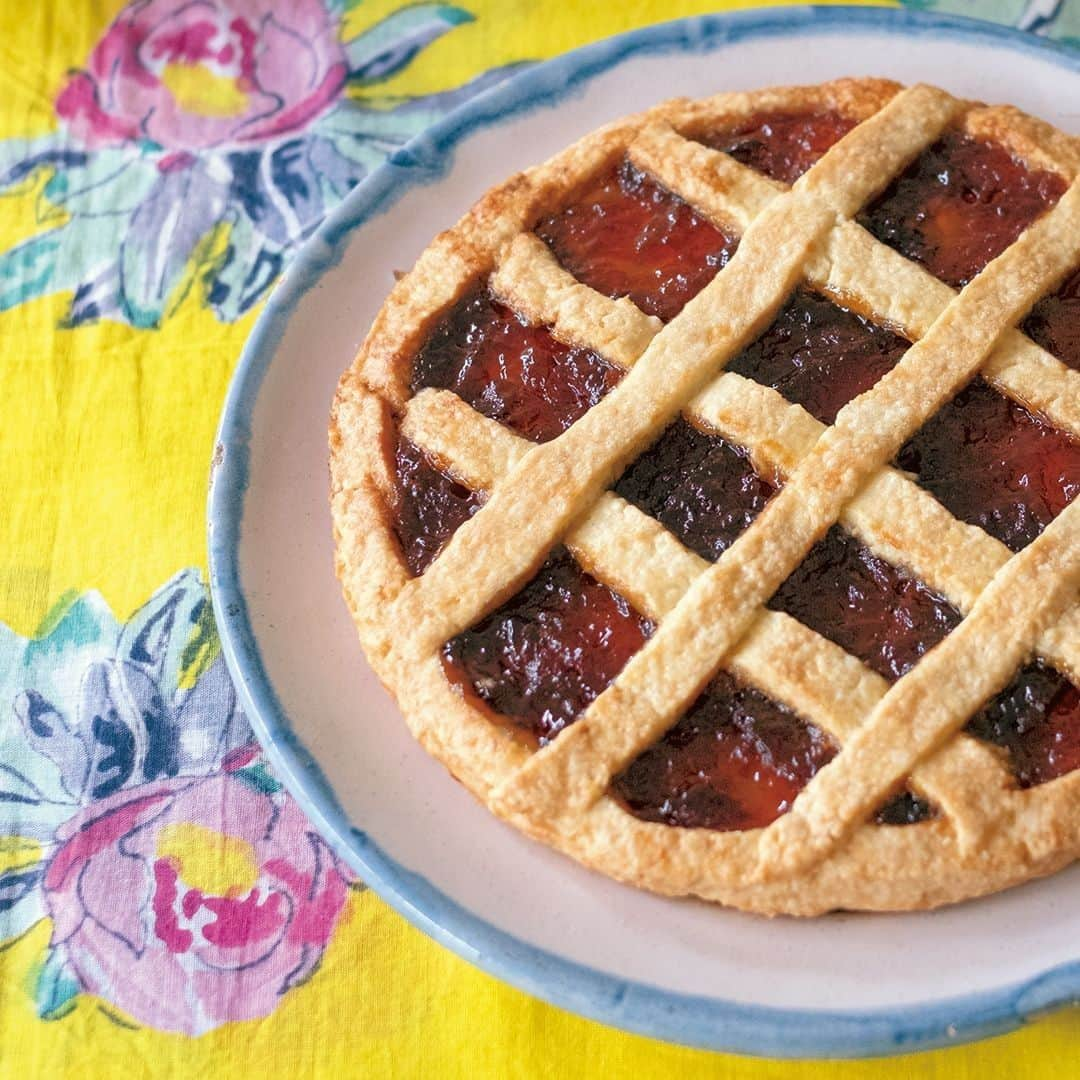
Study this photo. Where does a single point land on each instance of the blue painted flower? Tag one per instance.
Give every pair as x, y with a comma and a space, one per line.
203, 142
126, 763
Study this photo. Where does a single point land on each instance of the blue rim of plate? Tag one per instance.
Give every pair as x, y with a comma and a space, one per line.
706, 1022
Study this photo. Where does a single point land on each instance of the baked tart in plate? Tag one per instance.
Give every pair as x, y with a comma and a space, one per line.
708, 498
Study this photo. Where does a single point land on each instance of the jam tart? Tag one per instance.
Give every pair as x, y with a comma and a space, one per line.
707, 498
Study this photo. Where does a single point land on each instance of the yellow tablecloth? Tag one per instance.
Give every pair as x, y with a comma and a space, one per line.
163, 905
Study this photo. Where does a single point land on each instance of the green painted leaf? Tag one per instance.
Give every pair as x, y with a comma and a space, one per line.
258, 777
60, 259
56, 987
388, 46
111, 182
27, 271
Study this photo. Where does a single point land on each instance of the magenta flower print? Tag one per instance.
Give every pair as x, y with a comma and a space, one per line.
283, 64
202, 141
137, 815
215, 889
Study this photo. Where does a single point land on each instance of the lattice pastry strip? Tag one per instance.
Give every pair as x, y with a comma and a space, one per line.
635, 555
894, 516
562, 477
857, 269
709, 613
774, 654
665, 676
935, 698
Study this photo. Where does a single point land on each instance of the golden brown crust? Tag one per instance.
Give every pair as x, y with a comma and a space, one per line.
856, 99
825, 853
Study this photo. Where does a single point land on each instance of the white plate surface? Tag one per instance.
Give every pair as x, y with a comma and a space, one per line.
682, 970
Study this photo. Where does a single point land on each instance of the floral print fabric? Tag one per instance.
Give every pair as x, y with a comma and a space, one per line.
198, 145
227, 120
156, 840
156, 880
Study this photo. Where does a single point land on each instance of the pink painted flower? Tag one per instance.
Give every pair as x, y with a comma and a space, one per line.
191, 74
204, 141
184, 927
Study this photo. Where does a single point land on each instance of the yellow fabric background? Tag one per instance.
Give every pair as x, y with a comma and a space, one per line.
104, 448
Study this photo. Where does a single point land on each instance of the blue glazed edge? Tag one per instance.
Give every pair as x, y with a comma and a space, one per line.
710, 1023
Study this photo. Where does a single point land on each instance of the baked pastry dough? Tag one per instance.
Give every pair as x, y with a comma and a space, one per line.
790, 769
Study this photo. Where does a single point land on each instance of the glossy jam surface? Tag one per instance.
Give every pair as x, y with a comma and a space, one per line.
1054, 322
541, 658
781, 145
430, 505
994, 464
960, 205
703, 489
1037, 719
867, 606
907, 808
819, 355
510, 371
628, 236
736, 760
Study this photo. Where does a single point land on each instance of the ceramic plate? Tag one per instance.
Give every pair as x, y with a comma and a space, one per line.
685, 971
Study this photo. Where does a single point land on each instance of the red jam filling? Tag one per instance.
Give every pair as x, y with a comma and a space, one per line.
960, 205
994, 464
628, 236
518, 374
736, 760
430, 506
1037, 720
703, 489
1054, 322
541, 658
781, 145
867, 606
819, 355
907, 808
